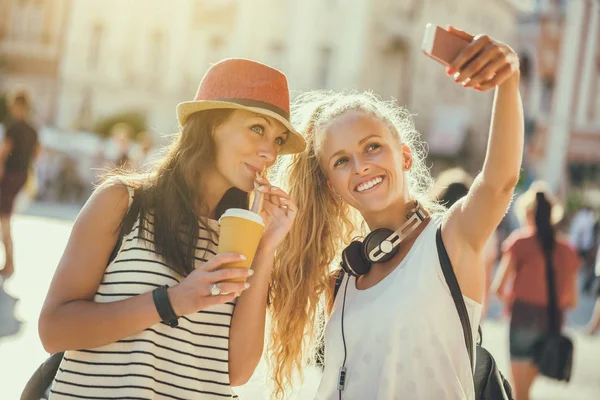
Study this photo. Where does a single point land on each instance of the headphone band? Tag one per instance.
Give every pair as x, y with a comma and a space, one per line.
386, 246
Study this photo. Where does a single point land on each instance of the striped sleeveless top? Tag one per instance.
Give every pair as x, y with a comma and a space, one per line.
186, 362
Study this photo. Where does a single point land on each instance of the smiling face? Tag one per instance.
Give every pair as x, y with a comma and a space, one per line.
247, 143
364, 162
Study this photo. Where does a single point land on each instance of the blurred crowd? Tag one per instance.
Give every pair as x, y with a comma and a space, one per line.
69, 163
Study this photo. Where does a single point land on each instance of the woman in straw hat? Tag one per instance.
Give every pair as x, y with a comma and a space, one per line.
521, 279
159, 318
394, 331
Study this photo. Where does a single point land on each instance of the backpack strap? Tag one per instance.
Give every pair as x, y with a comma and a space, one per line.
457, 296
128, 221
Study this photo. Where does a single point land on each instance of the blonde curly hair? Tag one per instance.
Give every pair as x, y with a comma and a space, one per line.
304, 271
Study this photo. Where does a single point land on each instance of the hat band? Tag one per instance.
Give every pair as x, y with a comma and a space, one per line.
258, 104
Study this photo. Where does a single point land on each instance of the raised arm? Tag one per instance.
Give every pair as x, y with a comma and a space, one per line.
477, 216
487, 64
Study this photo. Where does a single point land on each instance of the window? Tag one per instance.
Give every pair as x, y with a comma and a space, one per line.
547, 92
277, 56
394, 74
84, 116
595, 103
216, 47
324, 67
95, 46
157, 56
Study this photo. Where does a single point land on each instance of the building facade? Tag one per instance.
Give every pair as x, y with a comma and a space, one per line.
31, 38
148, 55
560, 44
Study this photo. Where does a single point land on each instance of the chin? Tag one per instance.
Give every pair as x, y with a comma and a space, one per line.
245, 186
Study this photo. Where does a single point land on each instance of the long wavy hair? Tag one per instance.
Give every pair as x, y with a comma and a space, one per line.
171, 193
302, 280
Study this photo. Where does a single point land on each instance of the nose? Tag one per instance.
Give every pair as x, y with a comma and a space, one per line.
268, 152
360, 165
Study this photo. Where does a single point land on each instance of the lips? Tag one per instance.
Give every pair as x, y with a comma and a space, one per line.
369, 184
254, 169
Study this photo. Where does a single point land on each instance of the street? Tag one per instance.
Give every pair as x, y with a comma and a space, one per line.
39, 242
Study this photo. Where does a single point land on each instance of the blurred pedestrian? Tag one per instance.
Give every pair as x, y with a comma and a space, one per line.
119, 146
594, 323
582, 237
153, 313
450, 186
143, 157
18, 151
521, 279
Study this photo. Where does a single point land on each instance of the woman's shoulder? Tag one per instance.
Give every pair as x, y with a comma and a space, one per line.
112, 195
564, 242
518, 236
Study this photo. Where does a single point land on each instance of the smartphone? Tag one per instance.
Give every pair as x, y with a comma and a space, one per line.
442, 45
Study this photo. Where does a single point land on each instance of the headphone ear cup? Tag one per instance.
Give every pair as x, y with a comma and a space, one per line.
373, 240
353, 261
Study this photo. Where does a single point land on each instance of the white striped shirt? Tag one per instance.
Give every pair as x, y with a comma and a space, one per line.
186, 362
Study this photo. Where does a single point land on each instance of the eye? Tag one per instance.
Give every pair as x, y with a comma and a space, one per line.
373, 146
280, 140
340, 161
258, 129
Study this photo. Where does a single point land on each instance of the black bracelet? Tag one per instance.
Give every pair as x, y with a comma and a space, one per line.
163, 306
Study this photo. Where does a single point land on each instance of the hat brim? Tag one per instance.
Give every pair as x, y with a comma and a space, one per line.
294, 143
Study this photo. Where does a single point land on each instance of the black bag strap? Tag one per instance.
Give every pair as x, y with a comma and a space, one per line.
553, 311
126, 225
459, 302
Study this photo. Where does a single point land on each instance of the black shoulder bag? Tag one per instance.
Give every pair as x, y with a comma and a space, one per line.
38, 386
554, 354
489, 382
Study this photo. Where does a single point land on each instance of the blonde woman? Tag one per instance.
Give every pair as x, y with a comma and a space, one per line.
401, 335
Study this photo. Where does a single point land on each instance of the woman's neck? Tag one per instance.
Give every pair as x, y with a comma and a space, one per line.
213, 189
392, 217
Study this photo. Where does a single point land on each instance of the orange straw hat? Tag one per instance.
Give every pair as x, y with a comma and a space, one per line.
246, 85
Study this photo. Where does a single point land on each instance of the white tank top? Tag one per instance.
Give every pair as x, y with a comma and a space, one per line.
404, 338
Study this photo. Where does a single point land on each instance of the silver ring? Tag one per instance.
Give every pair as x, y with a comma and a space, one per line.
215, 290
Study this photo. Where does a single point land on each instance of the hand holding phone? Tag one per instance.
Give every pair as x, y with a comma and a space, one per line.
442, 45
478, 61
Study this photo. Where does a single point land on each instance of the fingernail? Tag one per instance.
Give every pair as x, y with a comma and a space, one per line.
282, 199
451, 71
243, 257
477, 87
273, 188
246, 285
261, 187
250, 272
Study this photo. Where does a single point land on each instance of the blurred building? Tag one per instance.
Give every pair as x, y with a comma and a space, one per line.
560, 55
147, 55
31, 37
